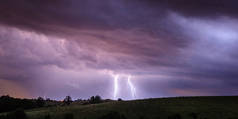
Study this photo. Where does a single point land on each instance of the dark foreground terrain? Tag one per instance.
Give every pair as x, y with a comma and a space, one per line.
162, 108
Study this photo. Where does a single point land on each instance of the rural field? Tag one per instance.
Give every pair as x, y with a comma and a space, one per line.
118, 59
161, 108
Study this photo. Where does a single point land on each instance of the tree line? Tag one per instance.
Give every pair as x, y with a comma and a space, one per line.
8, 103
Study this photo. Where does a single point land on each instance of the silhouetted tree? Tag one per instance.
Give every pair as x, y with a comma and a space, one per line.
98, 99
68, 100
48, 99
92, 100
79, 100
119, 99
40, 102
8, 103
95, 99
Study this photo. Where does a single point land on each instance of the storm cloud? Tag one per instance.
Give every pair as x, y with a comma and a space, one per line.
55, 48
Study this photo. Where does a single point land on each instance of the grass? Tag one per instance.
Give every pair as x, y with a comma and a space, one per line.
162, 108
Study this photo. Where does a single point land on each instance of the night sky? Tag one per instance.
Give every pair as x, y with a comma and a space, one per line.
54, 48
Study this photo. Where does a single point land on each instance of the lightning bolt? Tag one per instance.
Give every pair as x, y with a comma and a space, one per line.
115, 85
133, 90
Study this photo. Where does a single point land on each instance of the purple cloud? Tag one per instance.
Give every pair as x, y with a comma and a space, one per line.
58, 48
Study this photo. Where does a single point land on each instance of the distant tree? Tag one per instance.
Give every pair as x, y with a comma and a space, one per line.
92, 100
48, 99
67, 100
98, 99
95, 99
8, 103
5, 97
40, 102
79, 100
119, 99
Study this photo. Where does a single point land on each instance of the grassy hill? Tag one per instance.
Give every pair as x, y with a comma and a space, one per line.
162, 108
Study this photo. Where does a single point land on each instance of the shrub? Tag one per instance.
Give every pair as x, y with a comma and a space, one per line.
40, 102
67, 100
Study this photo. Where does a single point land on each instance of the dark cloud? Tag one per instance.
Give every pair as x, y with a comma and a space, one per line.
198, 8
52, 15
172, 48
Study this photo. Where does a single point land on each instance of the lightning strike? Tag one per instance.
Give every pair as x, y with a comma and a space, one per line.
133, 90
115, 85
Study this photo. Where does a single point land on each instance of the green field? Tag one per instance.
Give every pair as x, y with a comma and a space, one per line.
161, 108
